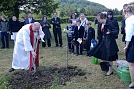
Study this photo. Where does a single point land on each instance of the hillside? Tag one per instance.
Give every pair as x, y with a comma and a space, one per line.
79, 5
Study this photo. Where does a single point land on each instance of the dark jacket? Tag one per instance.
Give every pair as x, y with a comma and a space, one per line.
45, 29
14, 26
115, 22
22, 24
123, 26
90, 34
4, 26
79, 33
56, 23
27, 21
106, 41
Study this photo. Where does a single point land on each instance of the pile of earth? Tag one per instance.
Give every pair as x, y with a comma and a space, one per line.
43, 78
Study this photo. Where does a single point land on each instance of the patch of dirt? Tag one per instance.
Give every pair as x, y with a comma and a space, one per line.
43, 78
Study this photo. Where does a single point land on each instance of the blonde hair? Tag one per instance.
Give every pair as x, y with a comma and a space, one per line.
129, 8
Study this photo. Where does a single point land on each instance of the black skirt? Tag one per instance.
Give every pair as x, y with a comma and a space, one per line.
130, 51
100, 51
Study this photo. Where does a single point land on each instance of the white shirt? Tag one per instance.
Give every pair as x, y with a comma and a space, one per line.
30, 20
129, 28
78, 27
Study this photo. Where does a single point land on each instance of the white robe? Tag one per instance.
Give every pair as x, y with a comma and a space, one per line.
22, 48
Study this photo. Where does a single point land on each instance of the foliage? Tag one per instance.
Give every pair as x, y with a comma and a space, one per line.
6, 6
36, 6
4, 82
80, 6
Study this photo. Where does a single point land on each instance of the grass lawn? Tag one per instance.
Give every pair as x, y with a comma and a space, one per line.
57, 56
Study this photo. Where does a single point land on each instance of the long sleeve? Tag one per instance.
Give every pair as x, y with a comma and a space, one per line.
41, 33
93, 34
114, 30
129, 28
26, 39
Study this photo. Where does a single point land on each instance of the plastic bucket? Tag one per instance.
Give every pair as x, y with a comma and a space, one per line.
104, 66
94, 60
122, 63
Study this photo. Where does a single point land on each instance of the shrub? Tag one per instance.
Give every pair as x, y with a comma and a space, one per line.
90, 18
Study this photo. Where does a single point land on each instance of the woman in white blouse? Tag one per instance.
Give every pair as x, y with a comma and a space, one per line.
129, 48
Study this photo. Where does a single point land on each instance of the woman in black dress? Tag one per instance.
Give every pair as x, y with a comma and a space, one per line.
107, 48
129, 48
45, 28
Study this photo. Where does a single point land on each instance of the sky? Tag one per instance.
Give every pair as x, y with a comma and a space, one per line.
112, 4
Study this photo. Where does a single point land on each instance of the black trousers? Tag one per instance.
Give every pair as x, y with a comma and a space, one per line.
48, 43
79, 48
57, 33
88, 44
4, 39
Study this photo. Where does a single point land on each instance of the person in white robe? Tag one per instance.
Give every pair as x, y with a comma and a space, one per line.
23, 46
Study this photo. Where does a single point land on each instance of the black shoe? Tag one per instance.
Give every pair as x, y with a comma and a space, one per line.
11, 70
109, 74
49, 45
60, 45
127, 86
7, 47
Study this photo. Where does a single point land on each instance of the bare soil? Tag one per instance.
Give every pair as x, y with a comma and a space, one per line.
43, 78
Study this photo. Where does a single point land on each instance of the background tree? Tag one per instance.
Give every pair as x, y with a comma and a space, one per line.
88, 10
37, 6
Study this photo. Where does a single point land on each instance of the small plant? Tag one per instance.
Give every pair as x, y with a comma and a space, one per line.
4, 82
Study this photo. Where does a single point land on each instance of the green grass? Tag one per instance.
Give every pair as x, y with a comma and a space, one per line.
56, 56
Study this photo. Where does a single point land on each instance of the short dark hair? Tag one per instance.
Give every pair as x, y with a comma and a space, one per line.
110, 12
79, 20
125, 5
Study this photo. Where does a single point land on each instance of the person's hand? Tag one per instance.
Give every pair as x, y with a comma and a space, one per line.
125, 49
38, 37
52, 21
33, 54
108, 32
8, 32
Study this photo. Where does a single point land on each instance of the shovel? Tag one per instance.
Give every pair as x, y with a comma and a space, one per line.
33, 62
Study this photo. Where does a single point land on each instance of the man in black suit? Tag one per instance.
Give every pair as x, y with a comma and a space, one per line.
29, 19
57, 29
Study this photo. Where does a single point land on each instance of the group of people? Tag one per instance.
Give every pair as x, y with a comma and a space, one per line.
108, 30
12, 26
80, 33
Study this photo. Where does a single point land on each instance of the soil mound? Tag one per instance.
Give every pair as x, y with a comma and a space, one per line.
43, 78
